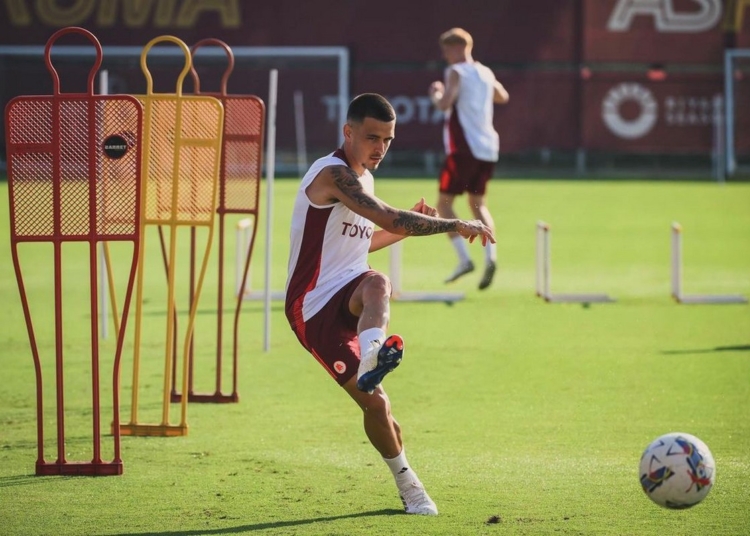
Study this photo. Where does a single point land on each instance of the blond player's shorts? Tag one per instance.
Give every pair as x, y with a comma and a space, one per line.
462, 172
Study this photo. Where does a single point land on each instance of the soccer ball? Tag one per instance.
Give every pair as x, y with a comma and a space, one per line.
677, 470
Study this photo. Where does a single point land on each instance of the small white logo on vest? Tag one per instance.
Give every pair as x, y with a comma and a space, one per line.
339, 366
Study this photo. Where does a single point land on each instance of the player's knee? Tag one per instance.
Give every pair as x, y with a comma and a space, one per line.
476, 203
378, 285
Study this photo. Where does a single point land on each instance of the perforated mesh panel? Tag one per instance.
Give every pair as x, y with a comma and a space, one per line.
244, 116
31, 196
242, 162
29, 120
159, 156
62, 184
242, 154
74, 165
118, 192
182, 167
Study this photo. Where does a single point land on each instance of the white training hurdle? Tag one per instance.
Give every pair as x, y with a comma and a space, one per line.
544, 272
677, 277
399, 294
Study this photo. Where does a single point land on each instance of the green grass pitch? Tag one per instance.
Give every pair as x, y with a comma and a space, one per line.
533, 413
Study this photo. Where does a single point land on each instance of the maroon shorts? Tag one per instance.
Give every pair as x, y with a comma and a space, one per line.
463, 173
331, 334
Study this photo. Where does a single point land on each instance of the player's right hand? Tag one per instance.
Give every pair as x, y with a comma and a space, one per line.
436, 87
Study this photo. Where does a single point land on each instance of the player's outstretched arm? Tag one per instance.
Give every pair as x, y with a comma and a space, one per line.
383, 238
341, 183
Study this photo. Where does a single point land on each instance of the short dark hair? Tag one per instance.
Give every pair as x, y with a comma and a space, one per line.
370, 105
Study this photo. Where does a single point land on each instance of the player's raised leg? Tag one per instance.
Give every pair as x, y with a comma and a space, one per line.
379, 355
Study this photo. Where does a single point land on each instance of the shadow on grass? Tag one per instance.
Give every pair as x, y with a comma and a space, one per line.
19, 480
269, 525
736, 348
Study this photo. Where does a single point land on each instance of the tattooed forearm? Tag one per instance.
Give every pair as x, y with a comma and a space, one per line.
416, 224
347, 181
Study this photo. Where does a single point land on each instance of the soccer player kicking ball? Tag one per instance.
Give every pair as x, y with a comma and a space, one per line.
337, 306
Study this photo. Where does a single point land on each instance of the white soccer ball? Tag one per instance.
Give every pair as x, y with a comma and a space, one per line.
677, 470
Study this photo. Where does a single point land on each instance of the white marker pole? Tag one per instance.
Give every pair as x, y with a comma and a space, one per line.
299, 127
676, 261
270, 170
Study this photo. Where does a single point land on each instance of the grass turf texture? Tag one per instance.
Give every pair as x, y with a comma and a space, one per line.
533, 413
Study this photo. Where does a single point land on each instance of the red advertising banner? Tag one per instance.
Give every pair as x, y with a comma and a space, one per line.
635, 115
618, 112
540, 113
392, 30
663, 31
535, 48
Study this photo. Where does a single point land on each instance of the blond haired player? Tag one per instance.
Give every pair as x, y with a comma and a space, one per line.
471, 143
337, 306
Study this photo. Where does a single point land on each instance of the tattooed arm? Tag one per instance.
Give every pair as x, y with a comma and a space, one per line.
341, 183
383, 238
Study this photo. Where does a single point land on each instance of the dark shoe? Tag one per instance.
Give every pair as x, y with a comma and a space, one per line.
462, 269
489, 273
389, 356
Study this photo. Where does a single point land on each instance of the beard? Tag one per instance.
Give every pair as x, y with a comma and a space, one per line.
370, 165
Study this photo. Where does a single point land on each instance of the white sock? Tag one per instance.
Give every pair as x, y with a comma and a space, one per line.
459, 244
490, 253
369, 339
401, 469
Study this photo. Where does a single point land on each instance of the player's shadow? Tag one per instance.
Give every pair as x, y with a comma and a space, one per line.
270, 525
736, 348
19, 480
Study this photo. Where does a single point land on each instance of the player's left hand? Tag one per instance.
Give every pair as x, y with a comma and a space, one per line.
471, 229
424, 208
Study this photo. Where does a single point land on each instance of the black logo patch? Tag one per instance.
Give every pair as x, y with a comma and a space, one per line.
115, 146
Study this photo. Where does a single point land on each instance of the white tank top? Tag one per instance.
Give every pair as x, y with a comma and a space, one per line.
329, 246
474, 108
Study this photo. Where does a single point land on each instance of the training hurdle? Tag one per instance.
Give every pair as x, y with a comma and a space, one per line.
182, 141
74, 175
677, 294
239, 193
399, 294
544, 272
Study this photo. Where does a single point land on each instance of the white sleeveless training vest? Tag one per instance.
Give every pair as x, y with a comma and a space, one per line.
474, 107
329, 245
